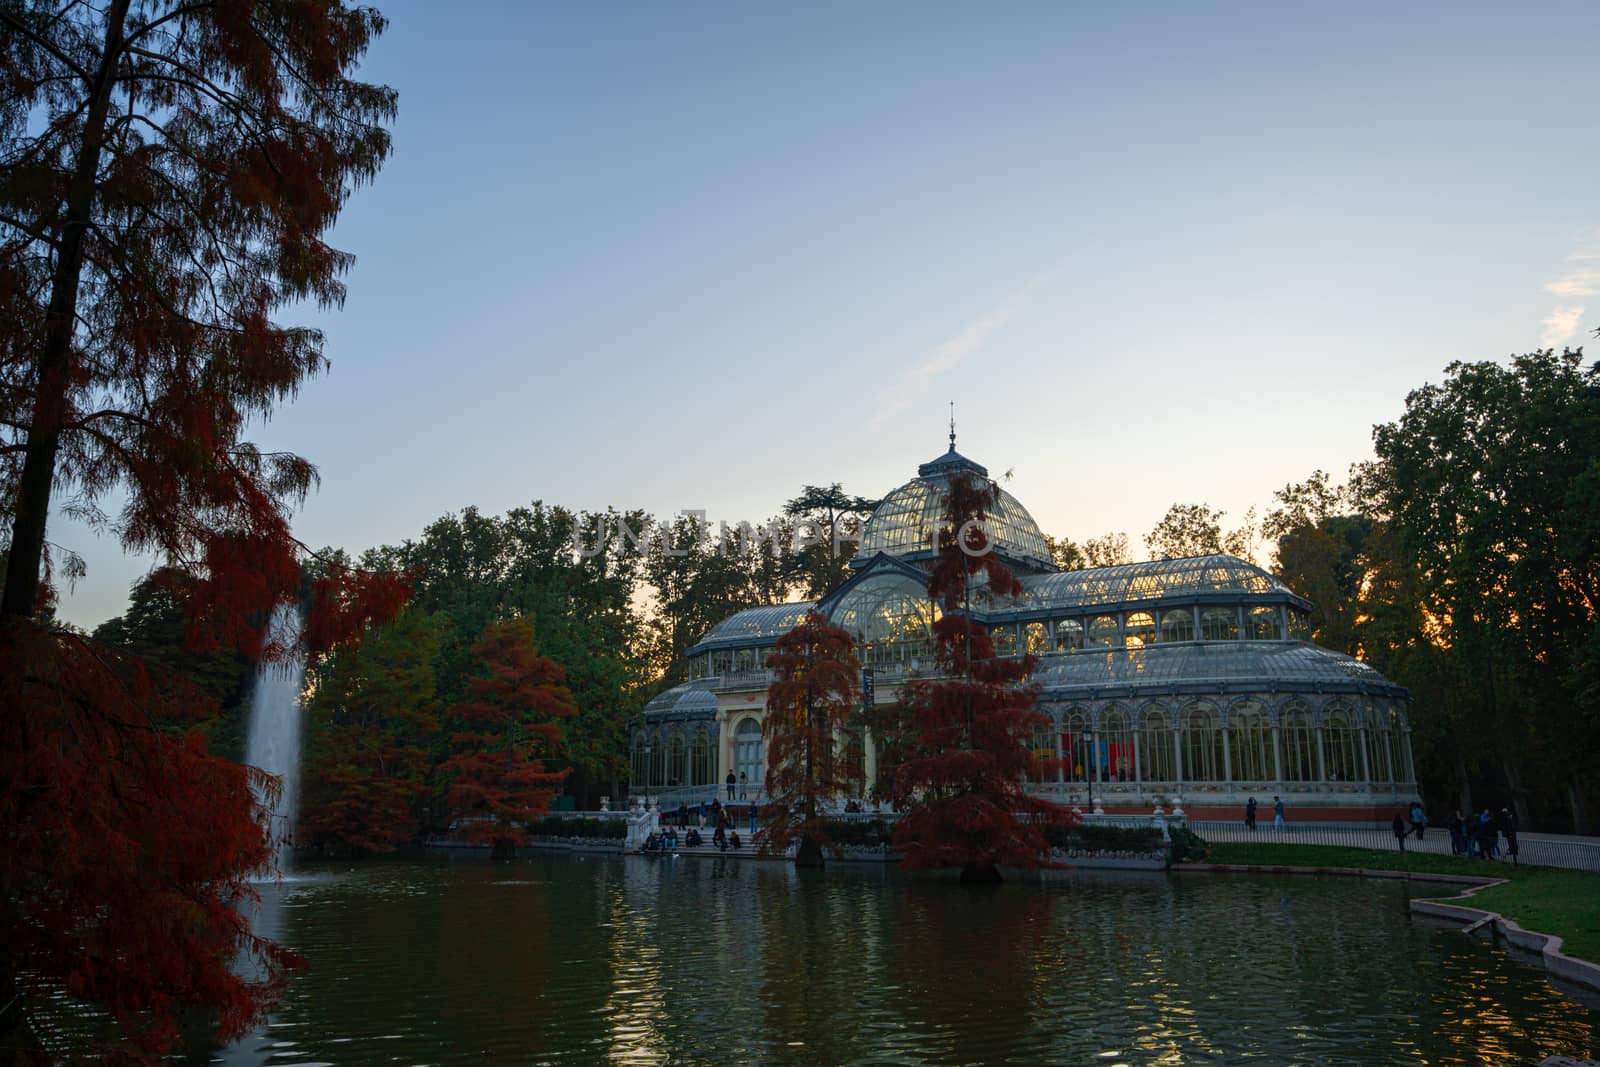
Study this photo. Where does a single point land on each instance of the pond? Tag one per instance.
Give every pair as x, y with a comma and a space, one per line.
607, 959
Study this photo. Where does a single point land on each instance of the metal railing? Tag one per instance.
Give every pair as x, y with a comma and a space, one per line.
1540, 850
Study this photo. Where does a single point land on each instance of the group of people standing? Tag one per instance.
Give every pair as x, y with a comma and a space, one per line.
1471, 835
1277, 814
1481, 835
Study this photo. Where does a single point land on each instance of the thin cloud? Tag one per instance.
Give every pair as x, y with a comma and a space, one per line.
1564, 319
1560, 325
913, 384
1578, 283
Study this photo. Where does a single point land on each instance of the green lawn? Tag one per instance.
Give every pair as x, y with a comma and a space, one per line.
1549, 900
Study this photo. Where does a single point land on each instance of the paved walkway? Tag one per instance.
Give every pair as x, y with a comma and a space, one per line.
1544, 850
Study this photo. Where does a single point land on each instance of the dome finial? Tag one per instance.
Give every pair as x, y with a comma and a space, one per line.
952, 425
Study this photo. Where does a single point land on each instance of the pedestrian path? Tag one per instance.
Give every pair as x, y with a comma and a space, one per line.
1542, 850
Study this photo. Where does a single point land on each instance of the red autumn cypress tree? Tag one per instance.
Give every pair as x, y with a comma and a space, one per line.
168, 170
808, 710
963, 786
502, 735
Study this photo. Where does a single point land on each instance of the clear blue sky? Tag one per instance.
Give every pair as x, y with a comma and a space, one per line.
694, 255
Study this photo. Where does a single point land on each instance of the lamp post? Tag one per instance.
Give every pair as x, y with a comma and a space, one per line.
1088, 737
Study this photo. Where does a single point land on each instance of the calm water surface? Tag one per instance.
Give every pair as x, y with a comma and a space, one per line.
602, 959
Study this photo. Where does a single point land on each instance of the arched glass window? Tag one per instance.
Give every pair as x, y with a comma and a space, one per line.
748, 754
1155, 746
1219, 624
1042, 747
1140, 629
853, 752
1299, 738
1250, 742
1038, 639
1177, 625
890, 615
745, 659
677, 761
657, 744
1261, 624
1004, 638
1202, 744
1074, 745
720, 662
702, 771
638, 763
1104, 632
697, 667
1339, 739
1115, 743
1391, 743
1299, 626
1069, 635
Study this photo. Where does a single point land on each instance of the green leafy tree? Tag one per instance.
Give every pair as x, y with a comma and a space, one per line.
1196, 530
1485, 486
830, 521
1107, 550
372, 726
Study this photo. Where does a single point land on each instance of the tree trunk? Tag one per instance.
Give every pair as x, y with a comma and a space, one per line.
1578, 802
809, 854
1463, 786
21, 592
980, 874
504, 851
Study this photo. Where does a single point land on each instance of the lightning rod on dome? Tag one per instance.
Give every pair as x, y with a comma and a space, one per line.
952, 425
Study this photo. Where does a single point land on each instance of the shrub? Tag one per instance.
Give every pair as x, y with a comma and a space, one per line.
578, 826
1187, 846
1089, 838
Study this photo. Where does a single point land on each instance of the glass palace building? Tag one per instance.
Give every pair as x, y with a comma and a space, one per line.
1179, 680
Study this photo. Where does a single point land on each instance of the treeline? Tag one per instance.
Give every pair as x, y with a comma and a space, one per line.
1463, 562
614, 600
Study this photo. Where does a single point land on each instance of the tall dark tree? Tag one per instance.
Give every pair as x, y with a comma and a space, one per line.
1487, 485
830, 522
168, 172
962, 790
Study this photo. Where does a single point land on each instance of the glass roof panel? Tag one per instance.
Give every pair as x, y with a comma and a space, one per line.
753, 626
1265, 663
1149, 581
886, 608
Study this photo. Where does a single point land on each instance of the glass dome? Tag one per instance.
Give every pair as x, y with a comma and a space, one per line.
909, 519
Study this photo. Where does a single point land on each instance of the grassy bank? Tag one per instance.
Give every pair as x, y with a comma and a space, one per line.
1545, 899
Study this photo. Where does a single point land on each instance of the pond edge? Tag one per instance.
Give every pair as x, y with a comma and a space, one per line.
1546, 946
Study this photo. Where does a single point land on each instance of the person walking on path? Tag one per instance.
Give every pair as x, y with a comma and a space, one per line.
1488, 847
1419, 819
744, 787
1508, 827
732, 781
1458, 834
1277, 814
1399, 828
1250, 814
